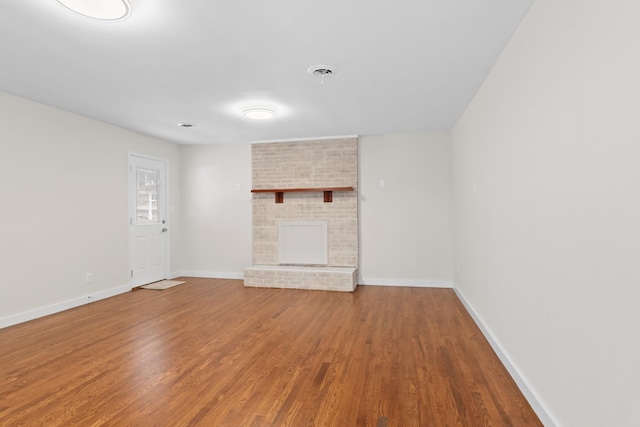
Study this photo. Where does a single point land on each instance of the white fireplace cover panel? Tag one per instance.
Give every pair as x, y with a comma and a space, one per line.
302, 242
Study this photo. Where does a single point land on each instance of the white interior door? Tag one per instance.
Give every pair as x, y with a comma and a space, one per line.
148, 227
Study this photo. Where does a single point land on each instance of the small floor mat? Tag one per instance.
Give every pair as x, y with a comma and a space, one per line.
162, 285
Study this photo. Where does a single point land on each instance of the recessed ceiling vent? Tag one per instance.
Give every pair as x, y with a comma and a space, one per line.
322, 71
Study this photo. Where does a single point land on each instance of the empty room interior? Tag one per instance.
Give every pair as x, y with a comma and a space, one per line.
410, 213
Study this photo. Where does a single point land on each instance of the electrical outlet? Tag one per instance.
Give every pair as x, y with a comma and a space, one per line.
88, 278
382, 183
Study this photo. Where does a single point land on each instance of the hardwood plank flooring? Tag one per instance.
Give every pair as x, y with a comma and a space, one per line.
214, 353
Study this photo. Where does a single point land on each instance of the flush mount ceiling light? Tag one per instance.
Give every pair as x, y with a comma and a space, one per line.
322, 71
108, 10
259, 113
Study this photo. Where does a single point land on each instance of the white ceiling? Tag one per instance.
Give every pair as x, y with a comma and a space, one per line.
403, 65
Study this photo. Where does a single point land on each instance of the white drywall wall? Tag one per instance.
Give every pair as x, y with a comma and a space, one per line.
405, 223
216, 193
63, 193
547, 207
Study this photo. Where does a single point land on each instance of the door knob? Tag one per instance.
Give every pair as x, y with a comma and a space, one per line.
164, 230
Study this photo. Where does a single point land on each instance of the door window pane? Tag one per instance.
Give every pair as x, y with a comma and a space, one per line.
147, 196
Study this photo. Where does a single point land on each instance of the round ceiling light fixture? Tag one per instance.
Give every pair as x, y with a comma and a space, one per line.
106, 10
322, 71
259, 113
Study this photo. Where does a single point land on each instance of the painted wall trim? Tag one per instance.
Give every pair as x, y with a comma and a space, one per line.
366, 281
407, 282
310, 138
174, 275
212, 275
25, 316
529, 393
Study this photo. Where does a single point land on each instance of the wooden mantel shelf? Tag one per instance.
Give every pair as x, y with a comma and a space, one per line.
279, 192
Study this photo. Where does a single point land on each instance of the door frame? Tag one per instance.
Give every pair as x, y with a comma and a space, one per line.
131, 208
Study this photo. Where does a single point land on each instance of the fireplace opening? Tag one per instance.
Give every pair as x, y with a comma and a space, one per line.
302, 242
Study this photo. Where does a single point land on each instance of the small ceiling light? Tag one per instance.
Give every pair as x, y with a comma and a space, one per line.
322, 71
259, 113
108, 10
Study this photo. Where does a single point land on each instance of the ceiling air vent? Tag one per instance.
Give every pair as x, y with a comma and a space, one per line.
322, 71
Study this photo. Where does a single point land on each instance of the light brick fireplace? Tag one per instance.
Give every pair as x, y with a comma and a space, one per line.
318, 184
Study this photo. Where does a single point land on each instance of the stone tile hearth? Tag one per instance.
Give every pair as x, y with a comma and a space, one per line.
302, 277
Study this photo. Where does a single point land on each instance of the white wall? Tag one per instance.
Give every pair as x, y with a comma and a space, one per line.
546, 166
216, 194
63, 206
405, 227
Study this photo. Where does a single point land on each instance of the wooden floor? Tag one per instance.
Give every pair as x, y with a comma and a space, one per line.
213, 353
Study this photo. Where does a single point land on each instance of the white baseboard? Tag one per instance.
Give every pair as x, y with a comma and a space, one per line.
407, 282
211, 275
532, 397
25, 316
174, 275
364, 281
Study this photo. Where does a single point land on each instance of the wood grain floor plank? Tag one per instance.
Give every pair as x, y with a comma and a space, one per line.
214, 353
